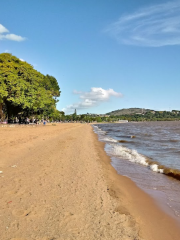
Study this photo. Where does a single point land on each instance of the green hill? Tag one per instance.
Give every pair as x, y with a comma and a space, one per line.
129, 111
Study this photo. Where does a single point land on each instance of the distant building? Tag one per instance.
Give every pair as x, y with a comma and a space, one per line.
123, 121
97, 115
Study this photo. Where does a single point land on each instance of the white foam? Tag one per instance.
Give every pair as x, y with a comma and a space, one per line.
108, 139
129, 154
154, 168
99, 131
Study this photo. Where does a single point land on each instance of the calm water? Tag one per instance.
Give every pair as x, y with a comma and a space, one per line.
148, 153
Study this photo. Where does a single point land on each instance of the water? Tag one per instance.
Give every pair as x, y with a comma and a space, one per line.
148, 153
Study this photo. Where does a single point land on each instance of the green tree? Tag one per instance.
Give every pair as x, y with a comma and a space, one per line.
98, 119
23, 89
50, 84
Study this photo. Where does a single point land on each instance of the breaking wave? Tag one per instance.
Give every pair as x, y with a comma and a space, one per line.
129, 154
125, 141
135, 157
109, 139
103, 136
99, 131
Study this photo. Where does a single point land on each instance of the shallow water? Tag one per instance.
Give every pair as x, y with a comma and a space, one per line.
148, 153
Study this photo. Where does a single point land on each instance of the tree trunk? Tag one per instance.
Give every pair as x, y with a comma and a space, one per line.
1, 111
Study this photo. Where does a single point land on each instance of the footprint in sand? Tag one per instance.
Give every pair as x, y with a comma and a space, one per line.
70, 223
21, 212
24, 193
15, 225
12, 192
17, 180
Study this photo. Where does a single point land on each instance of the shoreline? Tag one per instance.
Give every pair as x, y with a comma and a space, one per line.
154, 223
165, 170
57, 182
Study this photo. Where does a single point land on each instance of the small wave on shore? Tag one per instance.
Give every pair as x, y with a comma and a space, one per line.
125, 141
99, 131
102, 135
135, 157
129, 154
116, 149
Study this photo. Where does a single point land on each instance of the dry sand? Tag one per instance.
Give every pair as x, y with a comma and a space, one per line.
57, 184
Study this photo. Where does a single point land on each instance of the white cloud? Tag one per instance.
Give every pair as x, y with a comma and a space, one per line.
154, 26
9, 36
22, 60
92, 98
14, 37
3, 29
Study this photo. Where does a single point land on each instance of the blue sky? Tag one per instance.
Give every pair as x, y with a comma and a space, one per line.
105, 54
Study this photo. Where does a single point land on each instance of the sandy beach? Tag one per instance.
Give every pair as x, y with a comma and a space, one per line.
57, 183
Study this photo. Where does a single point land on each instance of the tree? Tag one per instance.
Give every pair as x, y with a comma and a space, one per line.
98, 119
50, 84
25, 90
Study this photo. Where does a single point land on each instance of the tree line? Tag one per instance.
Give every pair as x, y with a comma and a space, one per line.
174, 115
25, 92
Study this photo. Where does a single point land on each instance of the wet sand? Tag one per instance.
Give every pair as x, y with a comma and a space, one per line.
57, 183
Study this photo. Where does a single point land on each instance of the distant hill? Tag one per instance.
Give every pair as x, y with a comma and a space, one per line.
129, 111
